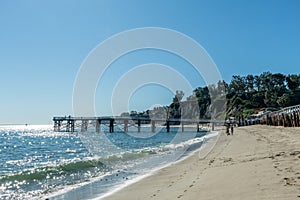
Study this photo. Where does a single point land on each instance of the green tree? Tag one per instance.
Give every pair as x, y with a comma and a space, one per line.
237, 84
293, 81
178, 96
250, 82
284, 100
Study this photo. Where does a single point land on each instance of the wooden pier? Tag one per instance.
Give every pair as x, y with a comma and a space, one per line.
287, 117
72, 124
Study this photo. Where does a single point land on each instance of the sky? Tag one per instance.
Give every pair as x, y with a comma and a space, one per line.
43, 44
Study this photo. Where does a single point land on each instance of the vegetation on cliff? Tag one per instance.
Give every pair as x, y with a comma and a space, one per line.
240, 98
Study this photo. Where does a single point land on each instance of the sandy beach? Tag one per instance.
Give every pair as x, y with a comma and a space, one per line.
257, 162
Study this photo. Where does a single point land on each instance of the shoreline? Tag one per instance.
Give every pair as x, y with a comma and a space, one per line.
213, 134
256, 162
100, 189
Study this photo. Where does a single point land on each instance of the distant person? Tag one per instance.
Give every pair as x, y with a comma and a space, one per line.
231, 128
227, 124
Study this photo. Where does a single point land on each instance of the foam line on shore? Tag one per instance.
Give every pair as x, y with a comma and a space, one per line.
208, 146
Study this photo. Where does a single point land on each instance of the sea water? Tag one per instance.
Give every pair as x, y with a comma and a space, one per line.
38, 163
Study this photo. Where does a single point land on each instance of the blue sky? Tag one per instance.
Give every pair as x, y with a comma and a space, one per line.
43, 44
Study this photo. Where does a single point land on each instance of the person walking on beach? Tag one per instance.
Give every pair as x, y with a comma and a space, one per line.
231, 128
227, 124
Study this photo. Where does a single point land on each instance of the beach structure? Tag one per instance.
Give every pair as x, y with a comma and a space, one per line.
287, 117
71, 124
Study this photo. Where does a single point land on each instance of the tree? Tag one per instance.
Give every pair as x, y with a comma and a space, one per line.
238, 84
222, 87
175, 111
266, 81
249, 82
125, 114
293, 81
257, 83
284, 100
178, 96
243, 96
278, 80
257, 100
133, 113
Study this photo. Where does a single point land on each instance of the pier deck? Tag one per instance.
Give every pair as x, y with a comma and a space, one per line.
69, 124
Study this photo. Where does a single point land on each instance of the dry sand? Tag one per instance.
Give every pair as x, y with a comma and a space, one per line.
257, 162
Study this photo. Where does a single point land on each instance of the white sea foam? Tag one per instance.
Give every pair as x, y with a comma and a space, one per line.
154, 170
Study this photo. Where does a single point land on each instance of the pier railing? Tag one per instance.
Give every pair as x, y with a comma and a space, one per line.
288, 117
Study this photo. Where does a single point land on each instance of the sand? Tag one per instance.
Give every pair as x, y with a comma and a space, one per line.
257, 162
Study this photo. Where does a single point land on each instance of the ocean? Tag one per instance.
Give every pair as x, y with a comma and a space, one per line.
38, 163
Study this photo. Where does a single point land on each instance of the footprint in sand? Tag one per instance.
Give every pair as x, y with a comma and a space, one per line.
294, 153
289, 169
227, 160
280, 154
179, 196
289, 181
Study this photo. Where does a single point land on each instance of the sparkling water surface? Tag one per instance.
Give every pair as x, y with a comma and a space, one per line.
38, 163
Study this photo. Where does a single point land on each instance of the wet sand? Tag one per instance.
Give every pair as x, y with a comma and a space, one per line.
257, 162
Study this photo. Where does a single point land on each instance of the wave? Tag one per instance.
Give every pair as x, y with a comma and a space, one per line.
50, 171
95, 164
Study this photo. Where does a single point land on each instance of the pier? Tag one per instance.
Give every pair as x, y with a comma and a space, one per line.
72, 124
287, 117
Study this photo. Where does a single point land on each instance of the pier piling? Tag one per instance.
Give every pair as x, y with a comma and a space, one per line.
111, 125
98, 125
198, 128
139, 126
125, 125
168, 126
153, 126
